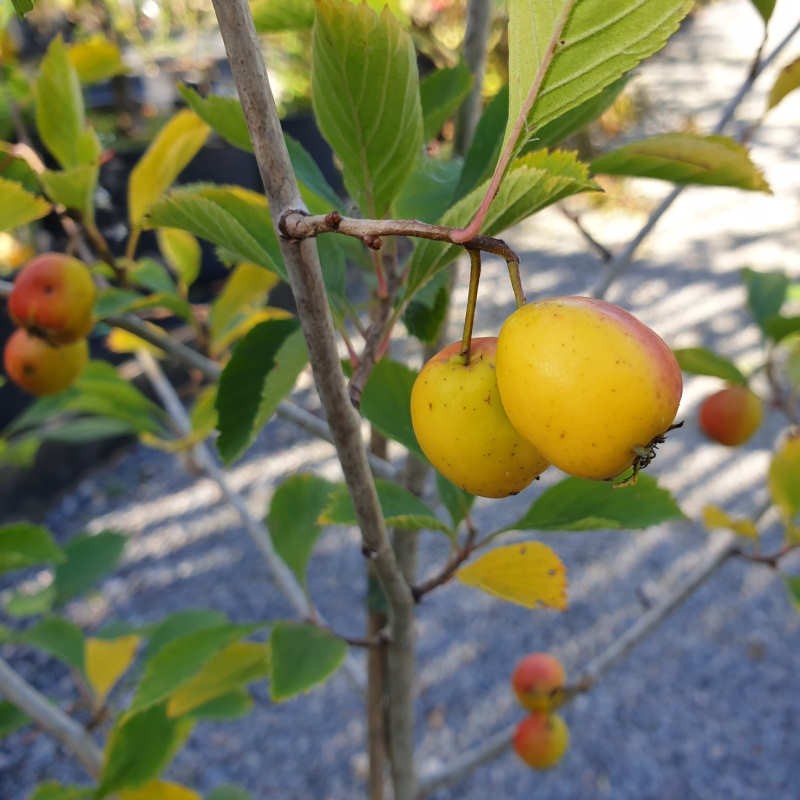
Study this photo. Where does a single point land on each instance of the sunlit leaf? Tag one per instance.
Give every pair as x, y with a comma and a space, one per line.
237, 665
73, 188
784, 479
181, 250
160, 790
106, 662
174, 147
686, 158
365, 94
714, 517
96, 59
529, 574
594, 44
19, 207
787, 81
303, 656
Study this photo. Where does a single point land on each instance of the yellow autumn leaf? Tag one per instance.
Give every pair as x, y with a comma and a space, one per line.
175, 146
715, 517
787, 81
239, 663
95, 59
122, 341
527, 573
784, 480
159, 790
107, 660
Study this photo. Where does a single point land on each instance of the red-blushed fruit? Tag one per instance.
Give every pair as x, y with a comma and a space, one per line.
731, 415
588, 384
541, 739
462, 428
52, 297
38, 367
538, 682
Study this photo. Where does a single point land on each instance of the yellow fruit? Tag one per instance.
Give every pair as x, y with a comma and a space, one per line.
462, 428
38, 367
586, 383
541, 739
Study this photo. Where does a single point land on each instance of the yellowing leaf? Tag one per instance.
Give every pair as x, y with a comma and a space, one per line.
239, 663
182, 252
175, 146
18, 207
528, 573
95, 59
787, 81
159, 790
715, 517
107, 660
784, 479
121, 341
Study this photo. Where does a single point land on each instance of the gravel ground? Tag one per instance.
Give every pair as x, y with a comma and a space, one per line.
708, 707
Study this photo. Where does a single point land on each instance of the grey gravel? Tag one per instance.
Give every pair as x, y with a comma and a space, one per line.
707, 708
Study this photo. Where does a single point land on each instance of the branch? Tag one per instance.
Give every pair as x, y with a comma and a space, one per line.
51, 719
496, 744
283, 577
305, 276
622, 262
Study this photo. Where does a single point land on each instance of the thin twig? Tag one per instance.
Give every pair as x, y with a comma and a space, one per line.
51, 719
497, 743
283, 577
623, 260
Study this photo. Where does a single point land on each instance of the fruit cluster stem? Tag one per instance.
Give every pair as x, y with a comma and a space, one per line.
472, 302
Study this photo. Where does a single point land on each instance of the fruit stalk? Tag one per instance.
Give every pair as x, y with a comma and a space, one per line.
472, 302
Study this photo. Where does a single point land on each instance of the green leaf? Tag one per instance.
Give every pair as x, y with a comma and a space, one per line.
73, 188
365, 94
60, 638
400, 509
764, 8
60, 116
223, 114
139, 747
386, 402
229, 216
315, 189
238, 664
15, 168
484, 149
303, 656
20, 604
22, 7
151, 275
783, 480
261, 372
455, 499
787, 81
89, 558
11, 718
441, 94
228, 706
179, 624
180, 659
174, 147
700, 361
278, 16
24, 545
18, 207
766, 293
792, 583
182, 253
50, 790
229, 791
555, 132
686, 158
533, 182
293, 519
576, 504
779, 327
428, 191
86, 429
598, 44
427, 312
